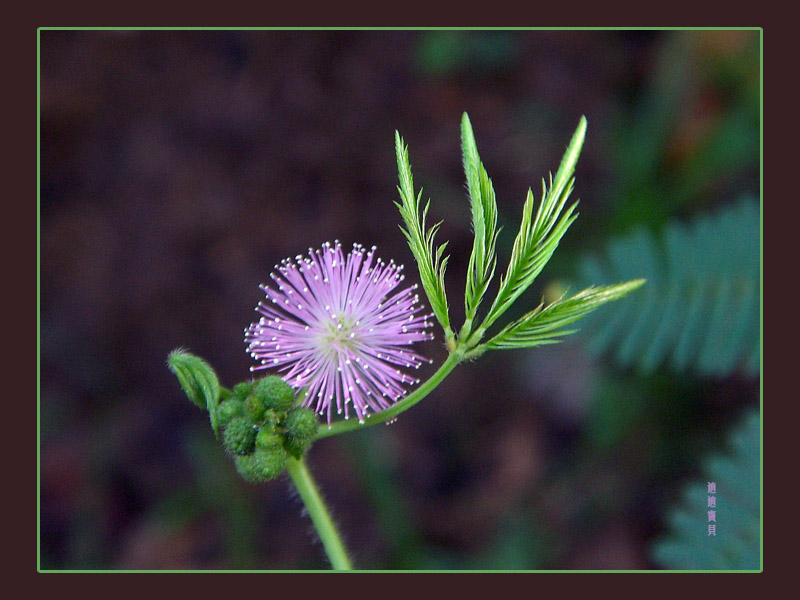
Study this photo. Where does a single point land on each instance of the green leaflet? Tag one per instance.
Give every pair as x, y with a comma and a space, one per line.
482, 260
544, 324
431, 263
539, 235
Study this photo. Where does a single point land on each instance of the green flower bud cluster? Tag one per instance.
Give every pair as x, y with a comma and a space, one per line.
262, 427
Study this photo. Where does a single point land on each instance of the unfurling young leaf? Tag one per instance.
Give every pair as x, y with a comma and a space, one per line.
199, 382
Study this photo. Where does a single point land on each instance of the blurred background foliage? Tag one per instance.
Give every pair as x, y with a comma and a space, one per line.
177, 167
684, 546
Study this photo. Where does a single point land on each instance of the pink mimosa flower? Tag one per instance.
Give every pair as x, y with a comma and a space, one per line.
336, 326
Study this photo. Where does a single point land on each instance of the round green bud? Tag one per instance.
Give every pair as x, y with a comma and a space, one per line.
254, 407
301, 423
239, 436
269, 463
242, 390
230, 409
277, 394
300, 427
268, 438
246, 466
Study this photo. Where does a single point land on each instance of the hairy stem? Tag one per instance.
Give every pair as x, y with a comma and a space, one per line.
385, 415
315, 505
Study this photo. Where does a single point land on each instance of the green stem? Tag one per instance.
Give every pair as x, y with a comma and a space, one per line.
315, 505
403, 405
450, 339
466, 328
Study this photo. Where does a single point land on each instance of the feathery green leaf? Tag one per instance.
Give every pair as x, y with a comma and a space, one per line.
430, 260
543, 325
539, 235
483, 260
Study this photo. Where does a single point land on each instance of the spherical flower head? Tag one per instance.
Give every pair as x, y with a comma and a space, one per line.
336, 325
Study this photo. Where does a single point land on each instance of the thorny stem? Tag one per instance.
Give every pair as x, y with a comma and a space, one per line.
315, 505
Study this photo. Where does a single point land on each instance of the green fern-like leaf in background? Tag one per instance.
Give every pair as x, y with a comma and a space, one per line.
736, 545
700, 308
